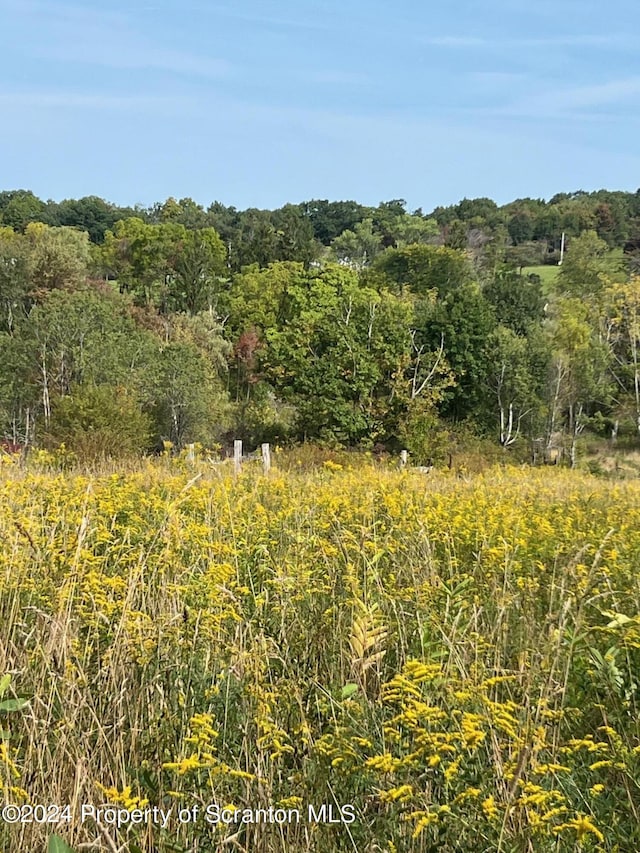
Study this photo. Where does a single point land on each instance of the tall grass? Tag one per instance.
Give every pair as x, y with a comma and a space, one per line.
457, 658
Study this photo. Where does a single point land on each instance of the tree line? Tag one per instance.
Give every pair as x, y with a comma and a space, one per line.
326, 321
301, 232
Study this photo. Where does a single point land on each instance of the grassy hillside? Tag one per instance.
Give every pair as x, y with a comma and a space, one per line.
455, 658
549, 272
548, 276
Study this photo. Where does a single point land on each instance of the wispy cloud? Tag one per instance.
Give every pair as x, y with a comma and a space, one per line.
338, 78
39, 12
61, 100
129, 55
317, 23
588, 97
613, 40
68, 33
597, 103
496, 79
455, 41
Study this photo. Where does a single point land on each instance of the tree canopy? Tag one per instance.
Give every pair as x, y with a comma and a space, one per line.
325, 321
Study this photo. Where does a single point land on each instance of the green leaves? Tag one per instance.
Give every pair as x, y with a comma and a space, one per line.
167, 265
59, 258
334, 351
9, 706
359, 247
198, 261
583, 271
5, 681
57, 845
348, 691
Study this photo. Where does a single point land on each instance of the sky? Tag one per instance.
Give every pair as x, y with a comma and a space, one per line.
256, 103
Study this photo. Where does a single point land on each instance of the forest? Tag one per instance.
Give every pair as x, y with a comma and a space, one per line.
123, 330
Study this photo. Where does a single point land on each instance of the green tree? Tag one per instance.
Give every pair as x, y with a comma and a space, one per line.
456, 235
528, 254
518, 302
296, 240
189, 213
257, 298
14, 278
99, 421
421, 269
461, 322
622, 325
580, 378
76, 338
190, 401
509, 382
257, 240
204, 332
521, 226
90, 214
58, 258
226, 221
384, 218
585, 266
19, 395
20, 207
357, 248
423, 433
198, 260
329, 219
136, 254
336, 354
479, 212
166, 265
409, 229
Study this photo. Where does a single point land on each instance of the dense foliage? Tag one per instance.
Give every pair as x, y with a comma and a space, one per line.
325, 321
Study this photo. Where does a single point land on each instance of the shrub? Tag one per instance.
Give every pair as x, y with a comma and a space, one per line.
99, 421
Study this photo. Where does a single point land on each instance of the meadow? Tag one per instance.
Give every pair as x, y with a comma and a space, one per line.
548, 273
455, 657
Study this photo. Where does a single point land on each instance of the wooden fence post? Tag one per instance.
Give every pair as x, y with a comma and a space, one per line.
237, 455
266, 458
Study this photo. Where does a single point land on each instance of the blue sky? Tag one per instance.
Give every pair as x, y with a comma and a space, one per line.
259, 103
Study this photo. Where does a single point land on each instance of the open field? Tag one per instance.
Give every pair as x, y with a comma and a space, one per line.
455, 658
548, 274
